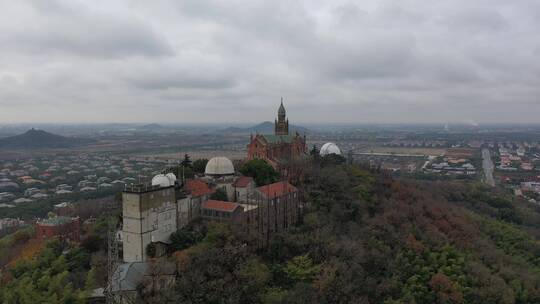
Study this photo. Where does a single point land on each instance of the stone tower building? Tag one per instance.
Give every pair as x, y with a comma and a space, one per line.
281, 123
149, 215
283, 151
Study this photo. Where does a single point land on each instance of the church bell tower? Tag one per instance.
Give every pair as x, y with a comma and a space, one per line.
282, 123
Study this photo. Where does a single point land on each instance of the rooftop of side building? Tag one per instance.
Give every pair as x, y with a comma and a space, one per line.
277, 189
243, 181
220, 205
198, 187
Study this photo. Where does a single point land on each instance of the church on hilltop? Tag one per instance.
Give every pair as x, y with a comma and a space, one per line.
281, 150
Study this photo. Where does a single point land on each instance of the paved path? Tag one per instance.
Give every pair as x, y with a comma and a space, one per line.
487, 164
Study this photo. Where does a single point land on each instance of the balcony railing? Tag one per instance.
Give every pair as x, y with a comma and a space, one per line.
140, 188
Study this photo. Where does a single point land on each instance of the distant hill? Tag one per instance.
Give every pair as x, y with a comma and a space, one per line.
152, 126
35, 139
266, 127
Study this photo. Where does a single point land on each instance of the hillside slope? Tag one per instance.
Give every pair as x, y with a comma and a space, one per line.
34, 139
368, 239
364, 238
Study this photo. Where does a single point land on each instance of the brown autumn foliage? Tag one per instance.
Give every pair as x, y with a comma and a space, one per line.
374, 239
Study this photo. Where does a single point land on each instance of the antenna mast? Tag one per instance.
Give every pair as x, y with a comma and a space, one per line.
112, 263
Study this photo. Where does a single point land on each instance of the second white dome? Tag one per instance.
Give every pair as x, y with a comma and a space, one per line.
330, 148
164, 180
219, 166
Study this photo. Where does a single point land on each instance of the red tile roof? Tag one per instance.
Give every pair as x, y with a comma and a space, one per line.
220, 205
277, 189
243, 181
198, 187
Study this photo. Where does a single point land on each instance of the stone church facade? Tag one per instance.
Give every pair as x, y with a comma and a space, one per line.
282, 150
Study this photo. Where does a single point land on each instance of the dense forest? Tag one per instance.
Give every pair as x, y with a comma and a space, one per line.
364, 238
367, 238
60, 273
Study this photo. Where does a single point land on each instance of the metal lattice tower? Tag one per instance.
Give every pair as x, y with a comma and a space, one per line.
112, 263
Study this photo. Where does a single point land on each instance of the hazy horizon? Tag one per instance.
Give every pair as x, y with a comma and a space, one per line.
224, 124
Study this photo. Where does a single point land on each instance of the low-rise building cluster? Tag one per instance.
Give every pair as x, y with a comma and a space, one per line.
10, 224
519, 157
36, 179
151, 212
460, 164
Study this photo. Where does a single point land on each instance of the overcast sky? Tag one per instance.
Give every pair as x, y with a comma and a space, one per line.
231, 61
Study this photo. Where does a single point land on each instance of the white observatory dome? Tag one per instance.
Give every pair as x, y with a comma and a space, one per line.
163, 180
219, 166
330, 148
171, 177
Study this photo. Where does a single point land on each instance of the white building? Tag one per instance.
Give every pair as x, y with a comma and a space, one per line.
149, 215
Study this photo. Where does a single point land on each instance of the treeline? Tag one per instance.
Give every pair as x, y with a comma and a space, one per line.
60, 273
367, 238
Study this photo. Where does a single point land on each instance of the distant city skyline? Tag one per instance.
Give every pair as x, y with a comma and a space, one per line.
410, 61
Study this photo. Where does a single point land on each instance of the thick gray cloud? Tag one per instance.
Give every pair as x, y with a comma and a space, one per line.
218, 61
71, 28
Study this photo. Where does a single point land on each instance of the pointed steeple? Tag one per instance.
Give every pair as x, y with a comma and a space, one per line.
281, 111
281, 123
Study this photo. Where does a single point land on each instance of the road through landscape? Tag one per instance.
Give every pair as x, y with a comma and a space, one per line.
488, 167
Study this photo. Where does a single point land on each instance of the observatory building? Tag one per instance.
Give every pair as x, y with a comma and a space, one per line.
164, 180
329, 148
148, 215
151, 212
219, 173
219, 167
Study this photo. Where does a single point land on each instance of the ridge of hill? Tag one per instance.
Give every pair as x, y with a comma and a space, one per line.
265, 127
35, 139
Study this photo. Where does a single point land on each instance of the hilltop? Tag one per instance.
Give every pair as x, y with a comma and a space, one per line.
35, 139
368, 238
364, 237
